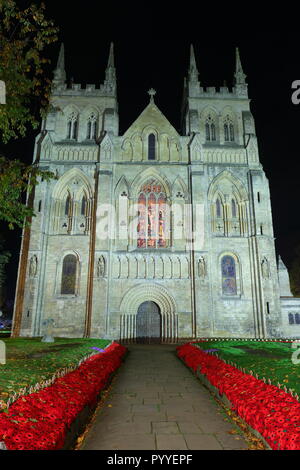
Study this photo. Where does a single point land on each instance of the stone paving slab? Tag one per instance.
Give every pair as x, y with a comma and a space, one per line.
155, 403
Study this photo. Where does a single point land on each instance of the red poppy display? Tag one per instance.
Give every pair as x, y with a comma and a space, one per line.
269, 410
40, 421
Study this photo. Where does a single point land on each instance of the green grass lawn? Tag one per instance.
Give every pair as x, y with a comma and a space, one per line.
272, 360
29, 361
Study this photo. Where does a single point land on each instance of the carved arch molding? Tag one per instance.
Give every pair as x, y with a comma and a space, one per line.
130, 305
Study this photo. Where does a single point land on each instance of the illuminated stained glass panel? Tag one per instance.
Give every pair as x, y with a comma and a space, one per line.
152, 221
141, 228
228, 276
162, 221
151, 216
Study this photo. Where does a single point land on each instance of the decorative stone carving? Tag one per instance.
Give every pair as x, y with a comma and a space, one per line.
33, 266
106, 151
101, 267
265, 269
202, 267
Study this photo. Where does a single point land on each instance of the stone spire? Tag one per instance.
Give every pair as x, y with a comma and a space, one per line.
281, 264
241, 87
284, 280
193, 71
60, 73
110, 73
239, 73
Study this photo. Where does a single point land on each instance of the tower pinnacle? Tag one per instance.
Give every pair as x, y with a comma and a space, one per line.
59, 72
241, 87
111, 62
193, 71
110, 73
239, 73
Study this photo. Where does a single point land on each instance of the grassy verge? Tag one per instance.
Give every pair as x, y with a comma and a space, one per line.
272, 360
29, 361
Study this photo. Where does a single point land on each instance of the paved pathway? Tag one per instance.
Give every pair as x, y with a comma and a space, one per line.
156, 403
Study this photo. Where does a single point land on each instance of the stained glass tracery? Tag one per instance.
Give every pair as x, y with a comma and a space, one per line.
228, 268
152, 216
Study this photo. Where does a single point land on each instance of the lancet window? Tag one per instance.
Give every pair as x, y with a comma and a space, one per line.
92, 127
72, 126
210, 129
68, 279
228, 268
228, 130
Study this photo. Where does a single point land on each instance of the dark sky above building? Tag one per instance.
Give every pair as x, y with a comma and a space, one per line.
149, 55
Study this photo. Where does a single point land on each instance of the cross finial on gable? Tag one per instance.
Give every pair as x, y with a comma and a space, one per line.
151, 93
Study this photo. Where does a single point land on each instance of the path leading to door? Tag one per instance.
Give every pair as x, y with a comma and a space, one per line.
156, 403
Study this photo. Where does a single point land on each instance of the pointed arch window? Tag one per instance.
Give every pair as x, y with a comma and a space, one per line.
228, 268
92, 127
151, 147
231, 132
68, 279
68, 205
83, 205
233, 208
210, 129
228, 130
152, 217
218, 208
72, 126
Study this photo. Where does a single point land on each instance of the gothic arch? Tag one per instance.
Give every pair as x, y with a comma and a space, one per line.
73, 180
89, 109
145, 175
69, 109
216, 184
122, 186
75, 184
209, 109
179, 187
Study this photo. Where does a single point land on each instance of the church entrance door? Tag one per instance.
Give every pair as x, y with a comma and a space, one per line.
148, 323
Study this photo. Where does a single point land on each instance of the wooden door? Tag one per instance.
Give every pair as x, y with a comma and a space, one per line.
148, 323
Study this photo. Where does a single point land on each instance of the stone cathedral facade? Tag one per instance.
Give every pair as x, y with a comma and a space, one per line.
152, 235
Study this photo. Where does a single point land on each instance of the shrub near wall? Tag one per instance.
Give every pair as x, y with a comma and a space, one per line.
40, 421
272, 412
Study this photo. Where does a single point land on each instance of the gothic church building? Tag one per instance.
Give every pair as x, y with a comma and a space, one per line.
151, 235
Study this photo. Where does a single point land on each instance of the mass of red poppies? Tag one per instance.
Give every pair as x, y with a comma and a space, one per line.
40, 421
269, 410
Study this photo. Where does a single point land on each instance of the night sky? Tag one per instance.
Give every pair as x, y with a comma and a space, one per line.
146, 58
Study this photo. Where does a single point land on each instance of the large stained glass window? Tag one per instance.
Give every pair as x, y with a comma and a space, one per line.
152, 205
68, 278
228, 275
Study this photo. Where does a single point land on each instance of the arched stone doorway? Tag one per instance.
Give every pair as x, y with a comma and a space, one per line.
148, 323
157, 295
